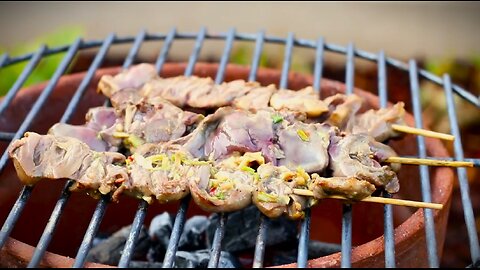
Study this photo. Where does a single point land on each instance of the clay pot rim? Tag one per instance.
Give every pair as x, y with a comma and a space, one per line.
403, 232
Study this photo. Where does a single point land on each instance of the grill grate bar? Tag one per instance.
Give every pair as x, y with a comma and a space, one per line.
382, 80
216, 250
424, 174
179, 222
51, 225
6, 136
25, 195
462, 173
303, 43
196, 51
260, 242
399, 65
14, 214
177, 230
99, 212
347, 208
217, 241
134, 50
388, 227
318, 70
290, 41
143, 206
42, 98
225, 56
346, 236
260, 40
162, 57
12, 92
349, 76
62, 201
3, 59
262, 230
72, 106
302, 256
133, 236
92, 230
287, 60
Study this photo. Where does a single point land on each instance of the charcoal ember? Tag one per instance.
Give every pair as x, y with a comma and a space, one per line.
184, 259
200, 258
144, 264
281, 257
194, 234
285, 254
110, 250
242, 229
159, 231
318, 249
99, 238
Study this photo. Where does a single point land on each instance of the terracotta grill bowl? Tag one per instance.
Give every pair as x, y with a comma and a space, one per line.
368, 243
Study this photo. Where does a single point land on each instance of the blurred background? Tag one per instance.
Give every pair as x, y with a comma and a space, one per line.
442, 37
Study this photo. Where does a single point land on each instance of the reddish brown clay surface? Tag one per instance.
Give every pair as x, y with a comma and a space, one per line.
367, 239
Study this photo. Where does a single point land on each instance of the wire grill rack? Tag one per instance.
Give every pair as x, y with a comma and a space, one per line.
260, 38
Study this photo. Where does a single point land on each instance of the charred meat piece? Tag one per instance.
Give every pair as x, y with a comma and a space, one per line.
255, 99
134, 77
98, 121
203, 93
244, 132
348, 187
274, 191
342, 108
359, 156
230, 185
121, 99
162, 173
304, 100
100, 118
151, 120
177, 90
305, 145
82, 133
55, 157
377, 123
230, 130
195, 142
196, 92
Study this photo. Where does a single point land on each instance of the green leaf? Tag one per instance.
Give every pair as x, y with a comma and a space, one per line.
277, 119
47, 66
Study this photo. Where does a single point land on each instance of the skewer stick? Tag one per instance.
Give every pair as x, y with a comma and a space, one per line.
423, 132
429, 162
437, 206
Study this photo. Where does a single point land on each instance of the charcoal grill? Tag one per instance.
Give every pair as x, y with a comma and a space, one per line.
260, 38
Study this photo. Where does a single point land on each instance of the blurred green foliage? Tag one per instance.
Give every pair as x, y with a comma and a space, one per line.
243, 55
463, 71
46, 67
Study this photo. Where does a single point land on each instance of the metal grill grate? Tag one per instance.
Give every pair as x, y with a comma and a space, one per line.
260, 39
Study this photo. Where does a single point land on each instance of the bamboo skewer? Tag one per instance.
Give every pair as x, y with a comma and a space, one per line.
423, 132
429, 162
436, 206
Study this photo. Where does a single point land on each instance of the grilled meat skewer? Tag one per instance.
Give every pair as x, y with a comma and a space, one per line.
339, 110
203, 93
168, 172
39, 157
